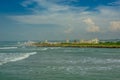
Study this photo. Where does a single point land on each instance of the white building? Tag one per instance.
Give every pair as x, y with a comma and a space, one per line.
67, 41
96, 41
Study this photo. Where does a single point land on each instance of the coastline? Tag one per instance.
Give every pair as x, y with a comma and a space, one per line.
77, 45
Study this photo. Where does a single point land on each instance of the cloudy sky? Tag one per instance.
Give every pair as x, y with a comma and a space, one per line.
59, 19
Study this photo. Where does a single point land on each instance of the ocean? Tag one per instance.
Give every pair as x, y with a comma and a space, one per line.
20, 62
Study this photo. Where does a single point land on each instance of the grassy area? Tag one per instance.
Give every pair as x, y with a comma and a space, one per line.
72, 44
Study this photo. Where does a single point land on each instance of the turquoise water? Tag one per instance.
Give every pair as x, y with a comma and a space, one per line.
18, 62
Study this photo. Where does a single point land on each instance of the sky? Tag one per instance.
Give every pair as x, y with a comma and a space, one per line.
59, 19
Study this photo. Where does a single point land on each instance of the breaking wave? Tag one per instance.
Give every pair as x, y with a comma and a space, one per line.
13, 57
55, 47
44, 49
8, 47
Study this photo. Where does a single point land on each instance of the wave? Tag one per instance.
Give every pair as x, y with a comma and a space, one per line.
68, 51
8, 47
13, 57
44, 49
23, 56
55, 47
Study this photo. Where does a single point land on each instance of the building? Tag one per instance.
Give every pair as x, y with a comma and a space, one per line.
67, 41
46, 41
95, 41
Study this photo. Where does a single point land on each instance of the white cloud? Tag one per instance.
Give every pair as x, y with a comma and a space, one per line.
69, 29
91, 25
89, 21
60, 19
26, 3
115, 26
53, 14
63, 15
115, 3
52, 5
93, 29
109, 11
58, 8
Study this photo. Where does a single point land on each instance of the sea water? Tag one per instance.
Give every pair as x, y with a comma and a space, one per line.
19, 62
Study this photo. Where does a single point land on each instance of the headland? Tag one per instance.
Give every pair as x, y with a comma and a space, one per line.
94, 43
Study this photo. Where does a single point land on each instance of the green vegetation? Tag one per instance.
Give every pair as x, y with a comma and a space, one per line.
75, 44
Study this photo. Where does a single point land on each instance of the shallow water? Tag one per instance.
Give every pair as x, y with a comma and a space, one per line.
56, 63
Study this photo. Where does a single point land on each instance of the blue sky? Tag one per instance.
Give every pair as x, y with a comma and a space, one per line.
59, 19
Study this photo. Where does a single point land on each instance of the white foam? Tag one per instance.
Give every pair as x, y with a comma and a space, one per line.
44, 49
19, 57
0, 63
99, 61
23, 56
8, 47
55, 47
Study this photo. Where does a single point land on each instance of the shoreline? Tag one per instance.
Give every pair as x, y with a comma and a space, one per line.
77, 45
